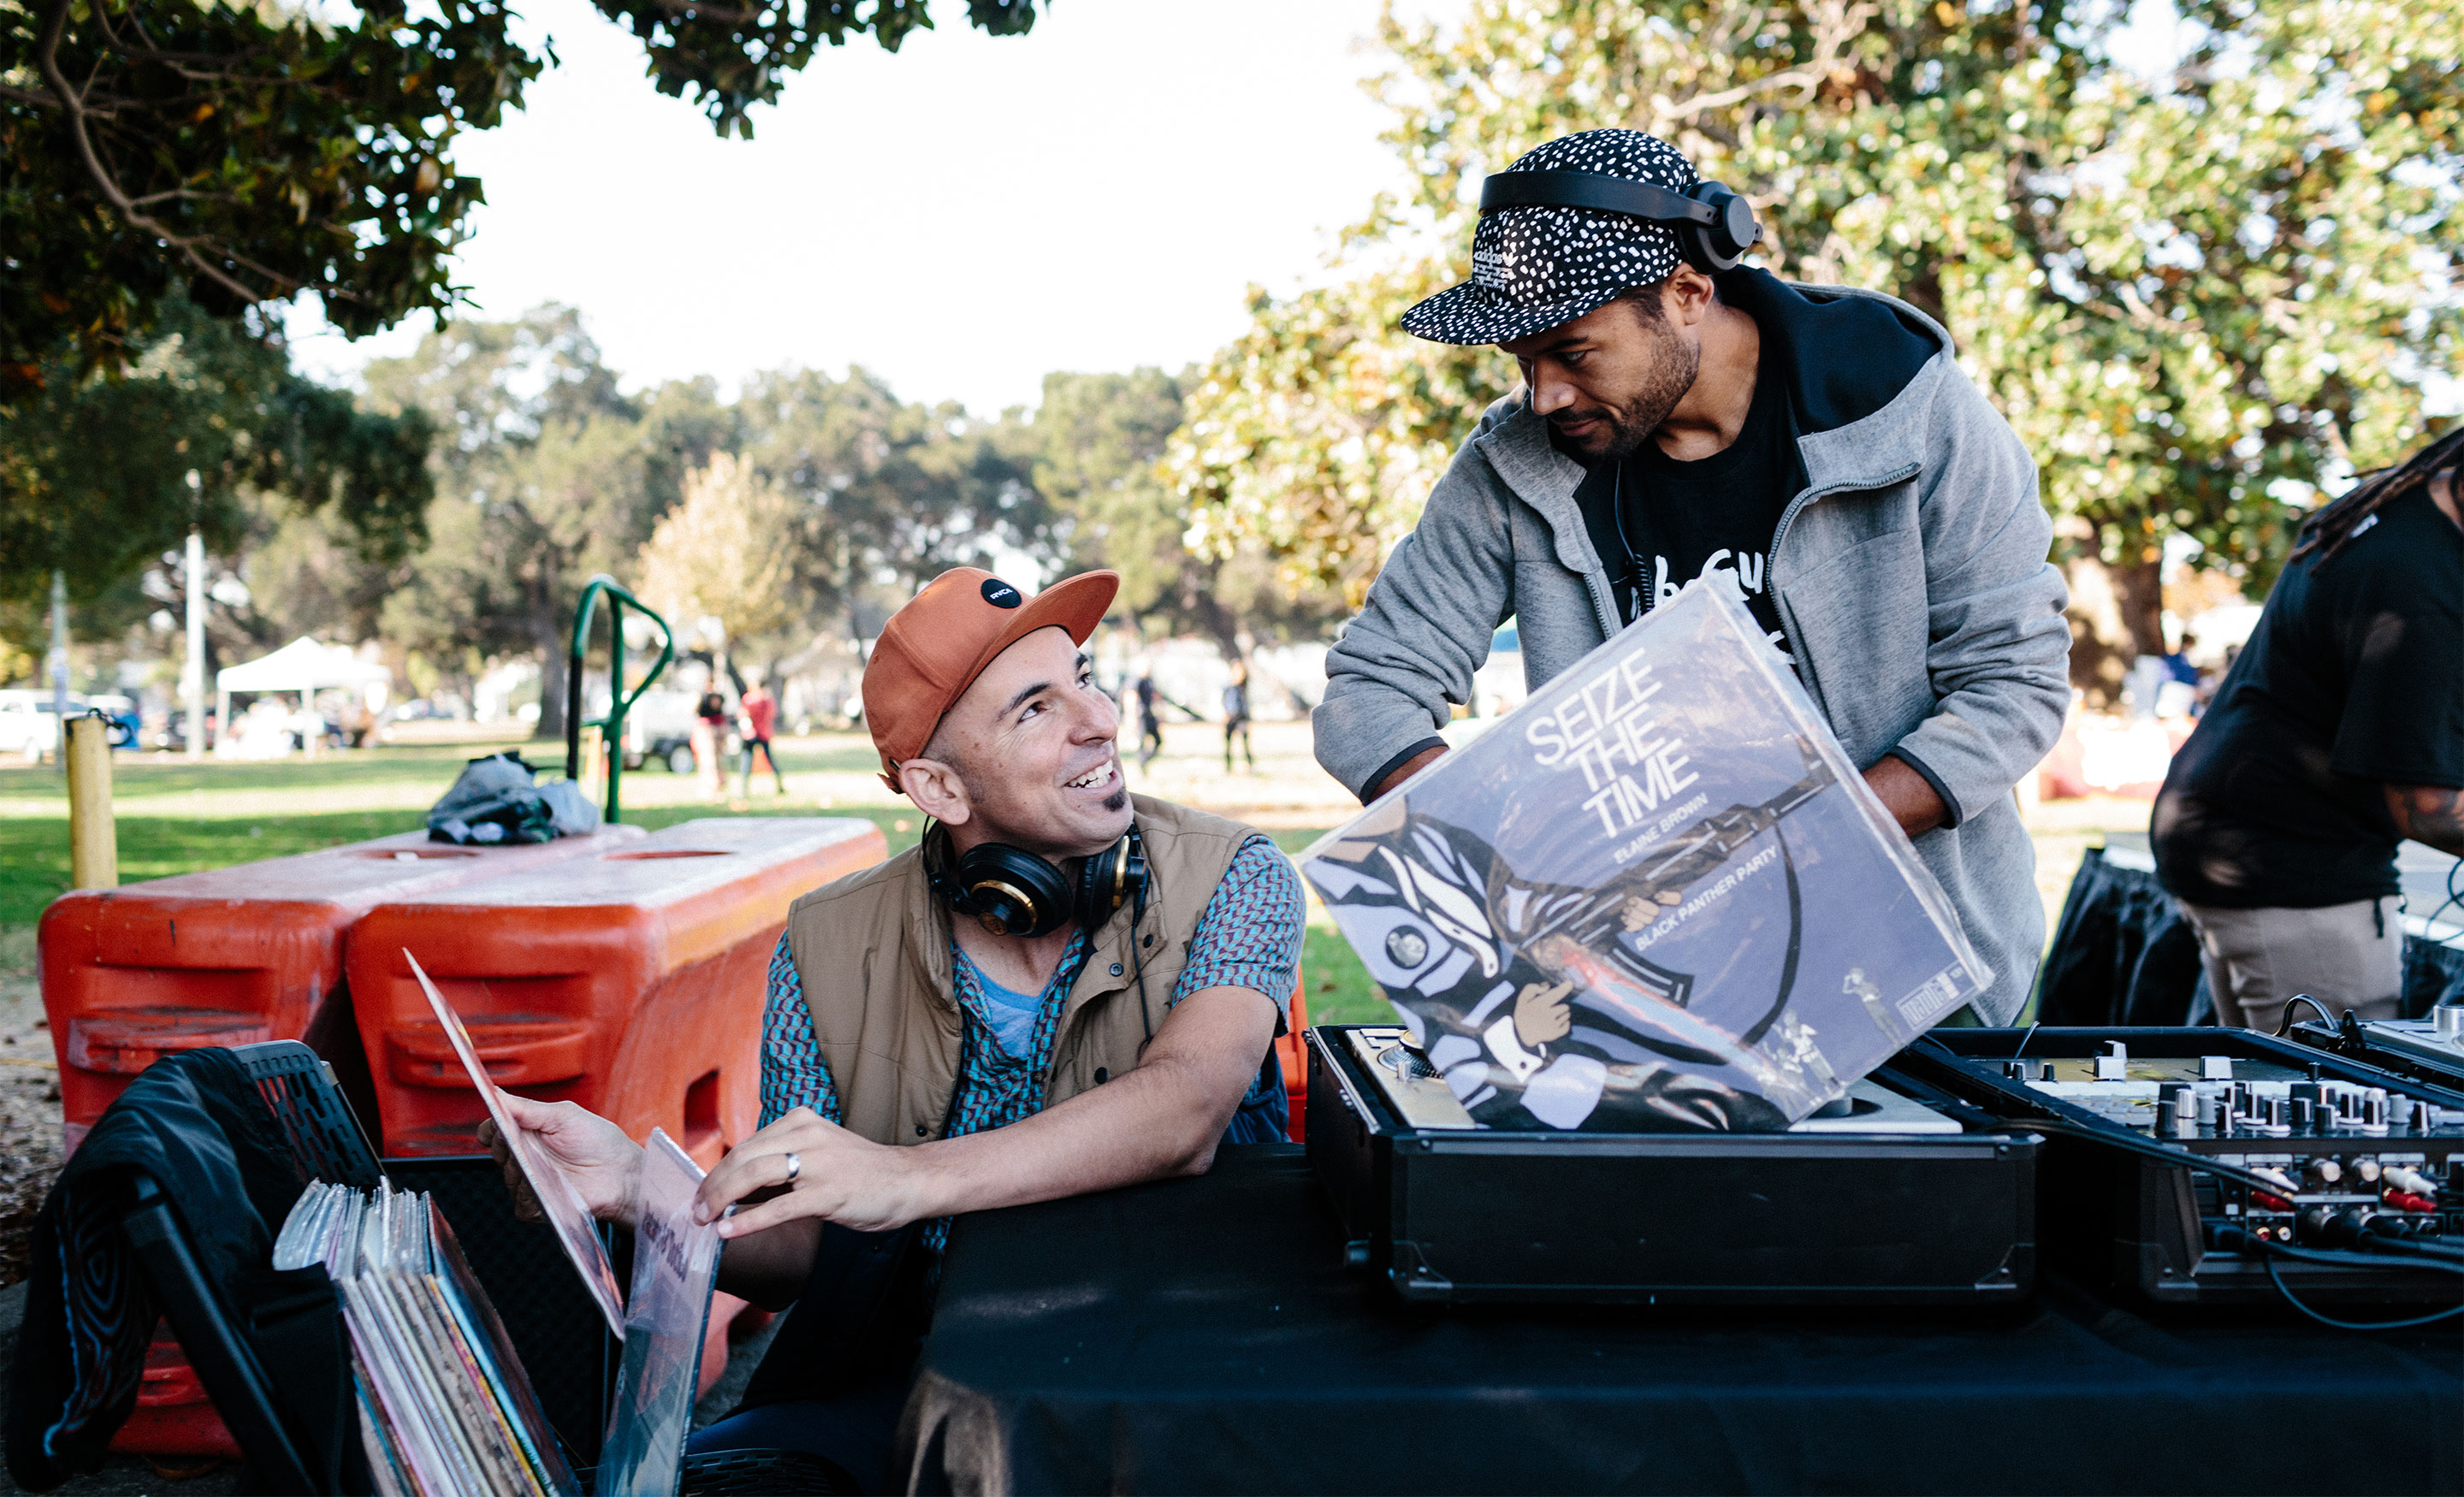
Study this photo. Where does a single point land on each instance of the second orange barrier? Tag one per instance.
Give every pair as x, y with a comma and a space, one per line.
632, 984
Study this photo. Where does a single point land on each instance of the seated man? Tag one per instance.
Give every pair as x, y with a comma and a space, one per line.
1062, 989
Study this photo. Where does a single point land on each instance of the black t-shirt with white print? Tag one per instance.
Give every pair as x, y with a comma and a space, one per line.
1658, 523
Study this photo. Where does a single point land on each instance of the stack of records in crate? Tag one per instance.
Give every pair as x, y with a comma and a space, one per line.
444, 1404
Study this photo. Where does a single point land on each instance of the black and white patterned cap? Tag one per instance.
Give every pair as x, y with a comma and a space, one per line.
1533, 268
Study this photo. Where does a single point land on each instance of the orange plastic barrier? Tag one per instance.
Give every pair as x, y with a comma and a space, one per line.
173, 1416
1293, 1053
631, 983
232, 956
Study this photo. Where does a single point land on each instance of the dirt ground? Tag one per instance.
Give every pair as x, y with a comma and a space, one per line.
29, 1102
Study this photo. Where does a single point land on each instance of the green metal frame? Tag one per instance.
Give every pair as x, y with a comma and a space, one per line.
619, 700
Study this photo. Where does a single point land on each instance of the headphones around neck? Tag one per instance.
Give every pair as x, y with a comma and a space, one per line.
1014, 893
1714, 225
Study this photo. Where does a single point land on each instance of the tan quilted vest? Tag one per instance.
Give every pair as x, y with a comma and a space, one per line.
873, 953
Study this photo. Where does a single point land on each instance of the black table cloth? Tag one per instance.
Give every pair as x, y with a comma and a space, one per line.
1200, 1336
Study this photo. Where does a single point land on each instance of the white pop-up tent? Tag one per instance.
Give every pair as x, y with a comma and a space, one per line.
302, 665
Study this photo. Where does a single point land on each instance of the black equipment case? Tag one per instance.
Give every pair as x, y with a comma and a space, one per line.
1905, 1195
2135, 1223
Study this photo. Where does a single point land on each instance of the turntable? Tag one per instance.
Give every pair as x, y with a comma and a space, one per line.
2430, 1048
1895, 1193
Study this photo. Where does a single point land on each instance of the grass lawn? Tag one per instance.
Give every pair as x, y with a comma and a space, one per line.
175, 817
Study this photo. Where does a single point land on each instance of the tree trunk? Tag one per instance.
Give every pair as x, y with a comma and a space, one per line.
1201, 604
551, 628
1923, 291
2100, 646
553, 643
2139, 590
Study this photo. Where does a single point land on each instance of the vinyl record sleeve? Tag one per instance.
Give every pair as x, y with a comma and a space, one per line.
676, 1268
508, 1381
445, 1402
550, 1185
1656, 896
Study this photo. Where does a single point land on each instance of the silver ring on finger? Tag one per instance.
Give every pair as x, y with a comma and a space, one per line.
795, 1167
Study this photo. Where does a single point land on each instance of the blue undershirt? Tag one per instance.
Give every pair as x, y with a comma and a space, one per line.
1012, 1013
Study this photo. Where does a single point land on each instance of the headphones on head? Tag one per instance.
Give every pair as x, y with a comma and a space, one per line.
1014, 893
1714, 225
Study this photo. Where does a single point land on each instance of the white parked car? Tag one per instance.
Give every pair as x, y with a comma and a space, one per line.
659, 730
28, 726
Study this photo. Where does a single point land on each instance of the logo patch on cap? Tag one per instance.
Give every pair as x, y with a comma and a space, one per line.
1001, 594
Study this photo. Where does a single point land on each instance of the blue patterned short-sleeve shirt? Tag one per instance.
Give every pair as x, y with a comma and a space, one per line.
1248, 936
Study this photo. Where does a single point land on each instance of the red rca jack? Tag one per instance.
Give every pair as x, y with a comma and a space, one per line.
2406, 1200
2266, 1201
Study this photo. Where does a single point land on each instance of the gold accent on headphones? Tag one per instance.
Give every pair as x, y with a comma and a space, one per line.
993, 924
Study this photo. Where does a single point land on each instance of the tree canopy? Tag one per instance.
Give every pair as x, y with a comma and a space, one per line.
95, 474
790, 511
545, 473
1098, 440
2200, 295
242, 153
726, 552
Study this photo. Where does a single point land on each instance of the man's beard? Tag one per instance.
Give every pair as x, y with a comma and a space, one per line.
1631, 423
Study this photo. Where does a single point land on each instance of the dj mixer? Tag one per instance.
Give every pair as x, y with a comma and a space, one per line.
2223, 1165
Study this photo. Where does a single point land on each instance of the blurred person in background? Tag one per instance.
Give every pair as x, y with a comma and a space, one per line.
1150, 715
757, 713
2189, 697
2338, 733
1236, 718
710, 722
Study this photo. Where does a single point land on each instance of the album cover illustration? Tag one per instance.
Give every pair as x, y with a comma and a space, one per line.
1656, 896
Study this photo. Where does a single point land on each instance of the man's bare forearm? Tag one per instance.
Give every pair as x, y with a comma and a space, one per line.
1406, 770
2432, 814
1161, 1120
770, 1268
1908, 796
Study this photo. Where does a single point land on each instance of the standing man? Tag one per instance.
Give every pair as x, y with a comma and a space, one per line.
710, 722
1236, 716
758, 713
1149, 716
1681, 414
2338, 733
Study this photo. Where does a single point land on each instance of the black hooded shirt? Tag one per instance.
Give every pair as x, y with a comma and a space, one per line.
1658, 523
2353, 679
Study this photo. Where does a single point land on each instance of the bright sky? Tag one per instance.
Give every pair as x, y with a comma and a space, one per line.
961, 217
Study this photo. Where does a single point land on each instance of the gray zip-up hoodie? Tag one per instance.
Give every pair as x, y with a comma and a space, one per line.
1910, 575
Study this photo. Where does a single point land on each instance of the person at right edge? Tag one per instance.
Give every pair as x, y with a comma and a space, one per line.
2338, 733
1681, 413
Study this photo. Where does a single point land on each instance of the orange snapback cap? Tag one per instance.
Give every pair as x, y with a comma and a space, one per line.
932, 649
